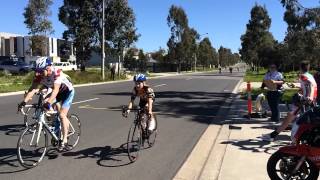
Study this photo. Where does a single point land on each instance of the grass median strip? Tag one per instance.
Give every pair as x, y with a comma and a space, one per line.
12, 83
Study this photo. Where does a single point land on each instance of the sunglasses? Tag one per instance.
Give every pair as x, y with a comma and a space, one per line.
39, 70
138, 82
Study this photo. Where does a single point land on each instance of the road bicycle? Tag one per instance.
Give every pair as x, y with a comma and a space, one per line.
138, 133
33, 141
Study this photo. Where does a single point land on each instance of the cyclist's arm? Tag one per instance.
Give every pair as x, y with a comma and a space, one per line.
150, 102
151, 97
55, 92
133, 97
34, 88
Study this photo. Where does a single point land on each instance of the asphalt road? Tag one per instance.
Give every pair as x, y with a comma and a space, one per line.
184, 105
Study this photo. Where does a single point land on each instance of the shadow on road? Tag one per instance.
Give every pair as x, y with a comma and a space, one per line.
12, 129
197, 106
9, 161
223, 74
107, 156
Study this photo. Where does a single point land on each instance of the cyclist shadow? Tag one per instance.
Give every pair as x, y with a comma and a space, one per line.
9, 161
13, 129
107, 156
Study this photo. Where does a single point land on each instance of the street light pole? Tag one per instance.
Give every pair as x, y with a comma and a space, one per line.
103, 52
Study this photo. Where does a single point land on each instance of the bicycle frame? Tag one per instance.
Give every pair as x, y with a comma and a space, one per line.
40, 120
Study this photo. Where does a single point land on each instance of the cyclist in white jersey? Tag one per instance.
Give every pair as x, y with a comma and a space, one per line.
63, 92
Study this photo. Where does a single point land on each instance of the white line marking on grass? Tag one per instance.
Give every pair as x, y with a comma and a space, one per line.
160, 85
85, 101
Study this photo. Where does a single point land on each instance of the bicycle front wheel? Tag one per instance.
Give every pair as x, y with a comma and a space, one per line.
32, 146
134, 141
74, 131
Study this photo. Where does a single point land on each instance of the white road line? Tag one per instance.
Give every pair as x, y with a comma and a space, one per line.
85, 101
160, 85
188, 79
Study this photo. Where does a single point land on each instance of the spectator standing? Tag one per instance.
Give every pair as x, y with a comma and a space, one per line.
273, 80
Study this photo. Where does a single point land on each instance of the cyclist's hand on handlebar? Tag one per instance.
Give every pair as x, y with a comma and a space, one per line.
149, 114
47, 105
21, 105
125, 113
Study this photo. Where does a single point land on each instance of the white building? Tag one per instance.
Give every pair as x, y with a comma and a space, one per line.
19, 46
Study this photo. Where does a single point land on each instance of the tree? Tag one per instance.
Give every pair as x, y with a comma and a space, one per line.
257, 37
129, 61
82, 22
36, 18
303, 33
120, 30
226, 58
142, 61
178, 22
189, 47
206, 53
159, 55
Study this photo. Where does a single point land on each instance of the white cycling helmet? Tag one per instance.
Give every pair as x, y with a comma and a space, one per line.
42, 63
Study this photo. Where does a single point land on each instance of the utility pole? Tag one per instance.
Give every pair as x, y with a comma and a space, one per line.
195, 62
119, 66
103, 52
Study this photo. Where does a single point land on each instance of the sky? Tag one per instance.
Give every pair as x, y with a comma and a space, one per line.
222, 21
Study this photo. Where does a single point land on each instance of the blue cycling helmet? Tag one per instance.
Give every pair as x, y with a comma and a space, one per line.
42, 63
139, 77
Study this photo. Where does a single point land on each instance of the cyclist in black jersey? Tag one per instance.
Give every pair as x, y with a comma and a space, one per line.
146, 95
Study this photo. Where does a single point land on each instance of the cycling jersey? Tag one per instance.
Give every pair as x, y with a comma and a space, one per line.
308, 86
66, 90
144, 95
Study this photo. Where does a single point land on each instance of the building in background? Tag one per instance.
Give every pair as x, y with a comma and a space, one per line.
18, 46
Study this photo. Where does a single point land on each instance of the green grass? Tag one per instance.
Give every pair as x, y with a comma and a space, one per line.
258, 77
10, 83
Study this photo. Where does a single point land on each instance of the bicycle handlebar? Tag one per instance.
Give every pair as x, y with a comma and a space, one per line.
23, 112
26, 106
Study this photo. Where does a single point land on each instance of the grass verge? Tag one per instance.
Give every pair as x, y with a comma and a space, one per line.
10, 83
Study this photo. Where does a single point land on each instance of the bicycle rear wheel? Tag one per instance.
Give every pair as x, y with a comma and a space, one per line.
32, 146
153, 134
134, 141
74, 131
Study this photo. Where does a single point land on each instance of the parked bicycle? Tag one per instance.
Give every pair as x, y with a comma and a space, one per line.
139, 133
33, 141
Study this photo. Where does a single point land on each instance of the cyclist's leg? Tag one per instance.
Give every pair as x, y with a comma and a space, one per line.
152, 123
66, 104
151, 120
290, 117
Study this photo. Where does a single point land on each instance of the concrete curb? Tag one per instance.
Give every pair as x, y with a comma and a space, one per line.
109, 82
199, 163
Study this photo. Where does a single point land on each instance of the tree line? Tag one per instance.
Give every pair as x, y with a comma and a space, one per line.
302, 40
83, 19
